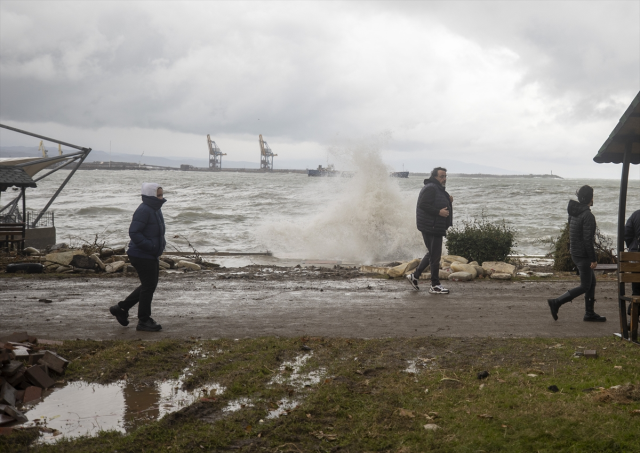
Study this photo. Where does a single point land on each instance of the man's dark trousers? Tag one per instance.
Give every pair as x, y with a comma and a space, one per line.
148, 272
432, 258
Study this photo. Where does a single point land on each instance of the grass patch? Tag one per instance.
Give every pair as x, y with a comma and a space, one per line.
375, 395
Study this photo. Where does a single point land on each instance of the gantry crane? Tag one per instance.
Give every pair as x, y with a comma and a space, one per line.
266, 155
43, 149
215, 155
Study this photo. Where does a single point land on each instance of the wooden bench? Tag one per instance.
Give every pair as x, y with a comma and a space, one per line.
8, 233
629, 272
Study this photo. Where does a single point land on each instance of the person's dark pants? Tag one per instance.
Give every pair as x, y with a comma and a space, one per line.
587, 282
148, 272
432, 258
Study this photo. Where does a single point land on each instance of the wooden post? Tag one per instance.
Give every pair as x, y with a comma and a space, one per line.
622, 211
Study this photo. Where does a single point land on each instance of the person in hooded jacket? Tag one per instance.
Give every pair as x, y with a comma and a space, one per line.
582, 231
434, 215
147, 244
632, 239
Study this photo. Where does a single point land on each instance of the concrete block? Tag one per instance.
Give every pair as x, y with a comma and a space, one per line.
40, 238
188, 265
115, 266
31, 393
54, 361
11, 368
19, 396
5, 356
7, 394
14, 413
98, 261
590, 354
63, 258
37, 376
17, 378
34, 357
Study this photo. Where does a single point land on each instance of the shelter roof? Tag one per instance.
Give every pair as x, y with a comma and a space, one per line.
626, 131
14, 176
32, 165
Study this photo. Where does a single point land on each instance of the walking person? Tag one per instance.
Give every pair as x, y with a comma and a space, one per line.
632, 239
147, 244
582, 231
434, 215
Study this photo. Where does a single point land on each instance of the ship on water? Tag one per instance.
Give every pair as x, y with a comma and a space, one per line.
330, 171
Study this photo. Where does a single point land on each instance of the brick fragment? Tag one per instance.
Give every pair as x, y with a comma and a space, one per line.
31, 393
14, 413
11, 368
4, 418
17, 378
37, 376
33, 340
50, 342
5, 356
21, 353
7, 394
34, 357
54, 361
19, 396
17, 337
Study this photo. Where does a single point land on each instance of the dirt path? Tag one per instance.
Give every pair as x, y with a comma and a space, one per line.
207, 306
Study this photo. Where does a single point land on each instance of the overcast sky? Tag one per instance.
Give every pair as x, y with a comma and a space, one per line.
525, 86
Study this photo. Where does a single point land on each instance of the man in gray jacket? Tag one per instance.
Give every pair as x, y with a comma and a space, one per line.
434, 214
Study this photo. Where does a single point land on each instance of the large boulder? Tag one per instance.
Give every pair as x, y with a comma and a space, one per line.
63, 258
188, 265
164, 265
169, 260
480, 271
498, 267
116, 266
402, 269
83, 262
501, 276
31, 251
454, 258
461, 276
467, 268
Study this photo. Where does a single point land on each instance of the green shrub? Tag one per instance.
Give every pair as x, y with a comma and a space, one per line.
480, 240
562, 255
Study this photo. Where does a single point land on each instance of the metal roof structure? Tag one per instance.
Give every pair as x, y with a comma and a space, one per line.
624, 138
14, 176
623, 147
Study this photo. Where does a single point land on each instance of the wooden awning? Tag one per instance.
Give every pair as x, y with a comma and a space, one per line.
14, 176
626, 135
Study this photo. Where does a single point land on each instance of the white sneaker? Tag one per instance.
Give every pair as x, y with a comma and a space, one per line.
439, 289
413, 281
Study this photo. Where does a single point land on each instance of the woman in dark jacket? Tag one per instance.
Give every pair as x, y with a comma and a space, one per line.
146, 246
582, 231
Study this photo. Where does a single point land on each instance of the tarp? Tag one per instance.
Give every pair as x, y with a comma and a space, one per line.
38, 163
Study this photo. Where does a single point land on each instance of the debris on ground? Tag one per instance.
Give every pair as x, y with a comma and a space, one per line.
26, 370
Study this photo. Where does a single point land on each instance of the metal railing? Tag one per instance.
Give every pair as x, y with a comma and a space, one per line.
45, 221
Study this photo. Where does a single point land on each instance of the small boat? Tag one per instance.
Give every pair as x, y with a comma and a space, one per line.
400, 174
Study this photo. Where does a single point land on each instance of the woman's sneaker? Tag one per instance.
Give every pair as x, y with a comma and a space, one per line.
438, 289
413, 281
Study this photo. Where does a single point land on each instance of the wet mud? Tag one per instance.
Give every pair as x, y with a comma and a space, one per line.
257, 301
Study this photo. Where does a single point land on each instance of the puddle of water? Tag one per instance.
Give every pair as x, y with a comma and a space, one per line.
290, 373
80, 408
284, 406
236, 405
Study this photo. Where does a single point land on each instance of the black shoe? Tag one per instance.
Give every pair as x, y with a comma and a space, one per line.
121, 315
148, 326
594, 317
553, 305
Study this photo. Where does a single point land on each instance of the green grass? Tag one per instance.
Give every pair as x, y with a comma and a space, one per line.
356, 406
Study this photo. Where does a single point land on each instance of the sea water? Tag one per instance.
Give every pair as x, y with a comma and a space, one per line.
367, 218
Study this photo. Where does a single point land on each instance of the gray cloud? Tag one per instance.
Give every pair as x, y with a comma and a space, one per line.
499, 79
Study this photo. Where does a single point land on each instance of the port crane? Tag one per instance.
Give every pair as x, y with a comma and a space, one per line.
266, 155
215, 155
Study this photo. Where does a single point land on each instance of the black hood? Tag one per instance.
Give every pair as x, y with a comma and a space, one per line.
575, 208
433, 180
154, 202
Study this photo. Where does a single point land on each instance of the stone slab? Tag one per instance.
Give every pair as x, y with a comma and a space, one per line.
54, 361
7, 394
37, 376
31, 393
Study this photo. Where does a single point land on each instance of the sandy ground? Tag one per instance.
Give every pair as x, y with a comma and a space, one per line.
212, 305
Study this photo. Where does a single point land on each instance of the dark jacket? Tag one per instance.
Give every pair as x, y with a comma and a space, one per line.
147, 230
632, 232
582, 231
433, 197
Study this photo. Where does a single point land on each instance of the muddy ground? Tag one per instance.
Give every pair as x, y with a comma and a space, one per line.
265, 301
